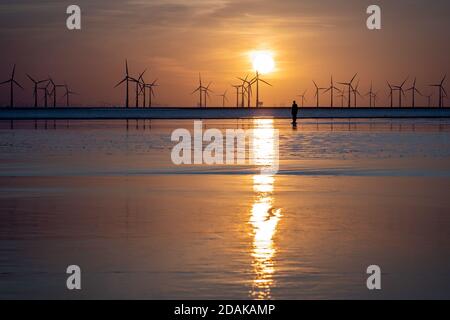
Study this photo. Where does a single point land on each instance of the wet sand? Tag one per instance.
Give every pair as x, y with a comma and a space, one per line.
348, 195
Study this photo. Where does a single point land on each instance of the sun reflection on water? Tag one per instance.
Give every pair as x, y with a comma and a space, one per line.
264, 216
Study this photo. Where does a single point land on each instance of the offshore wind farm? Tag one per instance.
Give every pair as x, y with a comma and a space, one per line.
224, 149
244, 97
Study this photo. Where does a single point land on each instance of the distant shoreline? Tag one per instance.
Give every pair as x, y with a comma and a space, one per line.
80, 113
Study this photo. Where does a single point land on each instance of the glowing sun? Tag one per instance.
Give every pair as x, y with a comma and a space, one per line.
263, 61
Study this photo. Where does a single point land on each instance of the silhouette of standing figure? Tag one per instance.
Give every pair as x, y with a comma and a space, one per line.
294, 112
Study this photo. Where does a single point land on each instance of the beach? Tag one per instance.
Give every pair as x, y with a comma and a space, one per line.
105, 196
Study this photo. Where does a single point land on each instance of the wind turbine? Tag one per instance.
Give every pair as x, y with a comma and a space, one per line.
391, 94
257, 80
12, 82
370, 94
302, 96
429, 99
400, 92
46, 93
224, 98
151, 92
35, 91
445, 97
143, 85
138, 85
332, 88
54, 90
355, 93
248, 89
237, 93
317, 93
441, 88
349, 84
126, 79
206, 91
375, 95
67, 95
342, 96
413, 90
199, 89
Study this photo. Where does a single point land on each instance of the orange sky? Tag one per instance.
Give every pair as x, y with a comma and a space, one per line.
177, 39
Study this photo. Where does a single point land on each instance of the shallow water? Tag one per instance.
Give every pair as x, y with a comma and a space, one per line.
106, 196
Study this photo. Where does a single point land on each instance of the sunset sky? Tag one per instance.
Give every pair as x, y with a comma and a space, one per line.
177, 39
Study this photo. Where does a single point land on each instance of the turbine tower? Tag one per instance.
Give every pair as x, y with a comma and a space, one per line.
46, 93
138, 86
237, 86
349, 85
400, 92
206, 92
429, 99
151, 92
248, 89
12, 82
317, 93
303, 97
35, 90
375, 97
332, 88
442, 91
413, 90
199, 89
55, 86
126, 79
342, 96
391, 94
370, 94
224, 98
256, 80
67, 95
356, 93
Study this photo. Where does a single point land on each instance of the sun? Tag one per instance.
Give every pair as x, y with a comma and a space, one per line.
262, 61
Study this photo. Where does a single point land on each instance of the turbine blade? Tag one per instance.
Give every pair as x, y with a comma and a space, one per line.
142, 74
265, 82
125, 79
17, 84
29, 77
404, 82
